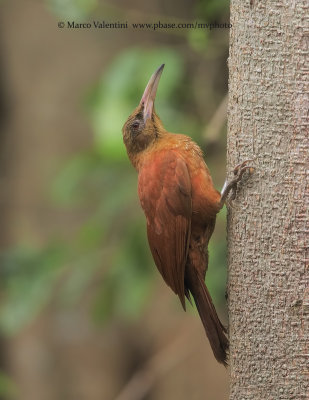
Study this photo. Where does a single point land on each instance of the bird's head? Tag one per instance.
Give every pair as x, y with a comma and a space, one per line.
143, 126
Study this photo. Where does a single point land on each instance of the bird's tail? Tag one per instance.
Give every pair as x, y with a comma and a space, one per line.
214, 329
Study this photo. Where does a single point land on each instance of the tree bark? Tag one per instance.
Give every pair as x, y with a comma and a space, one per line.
268, 223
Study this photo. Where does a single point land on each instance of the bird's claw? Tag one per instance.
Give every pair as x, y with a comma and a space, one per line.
231, 186
242, 167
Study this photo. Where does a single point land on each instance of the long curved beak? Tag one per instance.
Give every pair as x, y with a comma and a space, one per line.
149, 95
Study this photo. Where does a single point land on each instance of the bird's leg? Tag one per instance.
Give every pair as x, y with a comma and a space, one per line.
231, 185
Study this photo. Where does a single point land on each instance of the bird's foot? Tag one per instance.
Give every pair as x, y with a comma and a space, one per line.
231, 186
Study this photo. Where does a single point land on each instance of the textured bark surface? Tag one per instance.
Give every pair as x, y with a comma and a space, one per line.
268, 264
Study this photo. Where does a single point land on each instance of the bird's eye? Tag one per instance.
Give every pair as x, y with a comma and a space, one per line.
135, 125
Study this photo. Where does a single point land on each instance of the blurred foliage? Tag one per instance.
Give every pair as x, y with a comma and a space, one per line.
212, 9
205, 10
27, 277
72, 9
7, 386
109, 254
198, 39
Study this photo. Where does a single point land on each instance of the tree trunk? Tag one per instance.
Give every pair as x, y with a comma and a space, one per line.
268, 280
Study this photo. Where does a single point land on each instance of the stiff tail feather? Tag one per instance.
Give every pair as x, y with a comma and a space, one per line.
214, 329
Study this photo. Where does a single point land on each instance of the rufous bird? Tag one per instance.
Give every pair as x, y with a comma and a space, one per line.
180, 203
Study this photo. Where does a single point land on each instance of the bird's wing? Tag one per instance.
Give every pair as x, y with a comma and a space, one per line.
165, 195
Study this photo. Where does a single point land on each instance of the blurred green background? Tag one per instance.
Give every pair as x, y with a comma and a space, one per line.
83, 308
